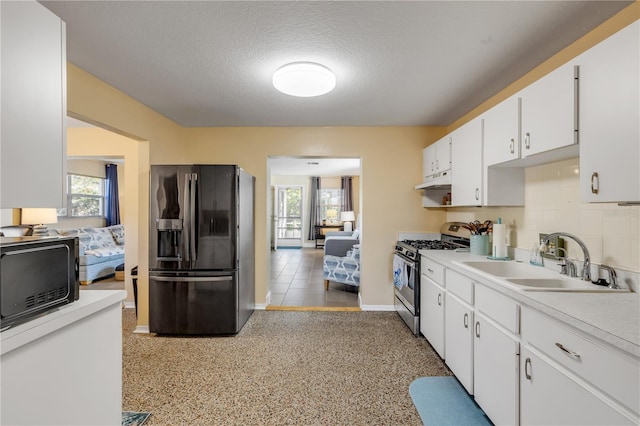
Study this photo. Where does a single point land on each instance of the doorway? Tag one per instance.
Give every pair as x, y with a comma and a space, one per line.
288, 216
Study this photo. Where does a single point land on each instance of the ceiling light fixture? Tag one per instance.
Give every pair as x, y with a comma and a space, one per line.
304, 79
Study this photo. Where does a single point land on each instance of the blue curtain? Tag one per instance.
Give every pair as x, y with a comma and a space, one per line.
112, 207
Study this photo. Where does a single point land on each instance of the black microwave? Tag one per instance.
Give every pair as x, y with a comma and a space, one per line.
36, 276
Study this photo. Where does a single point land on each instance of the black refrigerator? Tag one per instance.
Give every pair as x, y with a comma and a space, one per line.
201, 249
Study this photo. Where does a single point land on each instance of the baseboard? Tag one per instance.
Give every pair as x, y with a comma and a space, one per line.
141, 329
129, 305
377, 307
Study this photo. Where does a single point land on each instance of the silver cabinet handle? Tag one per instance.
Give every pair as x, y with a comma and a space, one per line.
478, 329
527, 366
432, 166
595, 183
437, 164
512, 145
430, 270
439, 299
575, 355
527, 140
465, 320
477, 194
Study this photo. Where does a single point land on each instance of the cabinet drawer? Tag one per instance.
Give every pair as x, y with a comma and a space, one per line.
460, 285
612, 372
499, 308
433, 270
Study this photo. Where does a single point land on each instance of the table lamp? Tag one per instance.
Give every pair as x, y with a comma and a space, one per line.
347, 218
37, 218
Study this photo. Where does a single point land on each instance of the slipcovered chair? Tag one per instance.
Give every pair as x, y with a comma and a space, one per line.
341, 260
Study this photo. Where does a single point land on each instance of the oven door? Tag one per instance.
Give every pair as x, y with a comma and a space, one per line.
405, 280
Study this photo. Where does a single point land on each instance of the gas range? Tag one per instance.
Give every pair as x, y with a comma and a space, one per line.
406, 269
453, 237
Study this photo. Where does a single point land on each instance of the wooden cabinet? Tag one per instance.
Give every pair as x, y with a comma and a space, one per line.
436, 157
459, 319
610, 118
549, 113
466, 168
496, 356
34, 107
432, 305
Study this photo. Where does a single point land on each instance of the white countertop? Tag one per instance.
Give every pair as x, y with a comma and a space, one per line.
611, 317
90, 302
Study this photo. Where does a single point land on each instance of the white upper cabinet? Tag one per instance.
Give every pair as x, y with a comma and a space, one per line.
34, 109
609, 119
548, 113
466, 164
502, 132
436, 157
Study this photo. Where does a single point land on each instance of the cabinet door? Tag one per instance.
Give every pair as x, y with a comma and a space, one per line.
495, 372
432, 314
459, 340
502, 132
549, 112
428, 162
466, 164
443, 154
33, 106
548, 396
610, 118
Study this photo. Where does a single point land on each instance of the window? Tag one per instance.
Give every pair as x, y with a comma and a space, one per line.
330, 202
85, 196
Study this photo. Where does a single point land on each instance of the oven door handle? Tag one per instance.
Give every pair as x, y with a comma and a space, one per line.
405, 259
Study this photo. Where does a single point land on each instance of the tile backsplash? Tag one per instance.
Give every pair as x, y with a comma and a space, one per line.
552, 203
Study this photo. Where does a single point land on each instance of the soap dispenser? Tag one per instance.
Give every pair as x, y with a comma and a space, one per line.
535, 257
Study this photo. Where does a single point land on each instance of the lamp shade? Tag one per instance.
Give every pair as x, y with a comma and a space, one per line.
347, 217
38, 216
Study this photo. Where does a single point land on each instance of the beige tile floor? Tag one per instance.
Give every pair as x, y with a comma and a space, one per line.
296, 280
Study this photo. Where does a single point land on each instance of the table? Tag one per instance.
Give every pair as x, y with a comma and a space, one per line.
321, 231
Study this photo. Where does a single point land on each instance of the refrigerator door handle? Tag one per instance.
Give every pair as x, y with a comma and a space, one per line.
192, 212
187, 222
191, 279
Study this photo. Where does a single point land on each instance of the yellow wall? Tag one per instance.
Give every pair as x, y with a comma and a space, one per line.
391, 167
93, 142
391, 162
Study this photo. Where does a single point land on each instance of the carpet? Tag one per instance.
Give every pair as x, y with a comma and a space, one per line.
134, 418
443, 401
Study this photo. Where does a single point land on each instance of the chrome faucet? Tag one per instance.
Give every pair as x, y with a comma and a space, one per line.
586, 268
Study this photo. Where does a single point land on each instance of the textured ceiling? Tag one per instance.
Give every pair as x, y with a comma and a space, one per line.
397, 63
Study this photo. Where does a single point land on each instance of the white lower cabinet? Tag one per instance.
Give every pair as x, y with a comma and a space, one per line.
459, 340
432, 299
550, 397
495, 372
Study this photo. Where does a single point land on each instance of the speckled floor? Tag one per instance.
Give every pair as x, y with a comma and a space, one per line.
283, 368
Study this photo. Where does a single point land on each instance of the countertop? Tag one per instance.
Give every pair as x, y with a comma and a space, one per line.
611, 317
90, 302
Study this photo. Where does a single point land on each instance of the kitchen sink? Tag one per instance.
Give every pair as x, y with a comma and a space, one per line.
526, 277
509, 269
558, 284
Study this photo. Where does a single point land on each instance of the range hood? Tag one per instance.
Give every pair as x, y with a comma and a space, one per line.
441, 180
